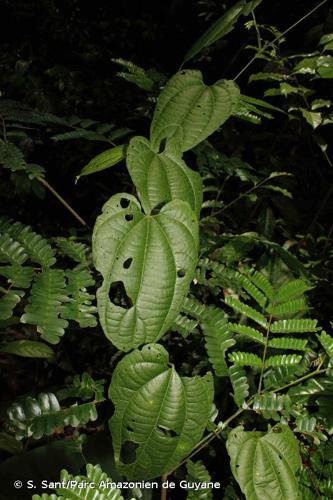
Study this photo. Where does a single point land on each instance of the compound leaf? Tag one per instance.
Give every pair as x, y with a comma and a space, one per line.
45, 305
197, 472
239, 384
162, 177
40, 416
188, 111
80, 308
264, 464
159, 415
147, 263
98, 486
219, 339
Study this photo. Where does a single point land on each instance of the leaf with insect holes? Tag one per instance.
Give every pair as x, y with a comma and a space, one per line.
159, 416
147, 263
265, 464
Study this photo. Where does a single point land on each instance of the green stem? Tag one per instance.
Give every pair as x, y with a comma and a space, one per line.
264, 354
61, 199
305, 377
257, 30
249, 191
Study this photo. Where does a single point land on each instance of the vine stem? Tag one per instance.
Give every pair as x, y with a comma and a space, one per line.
61, 199
269, 44
164, 477
212, 435
249, 191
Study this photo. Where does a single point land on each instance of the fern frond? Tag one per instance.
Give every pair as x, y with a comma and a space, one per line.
239, 384
11, 251
248, 311
45, 305
289, 308
294, 326
197, 473
71, 486
291, 290
219, 339
288, 343
252, 290
40, 416
327, 343
184, 325
73, 249
37, 248
248, 332
18, 276
261, 282
11, 157
80, 308
8, 301
245, 359
283, 360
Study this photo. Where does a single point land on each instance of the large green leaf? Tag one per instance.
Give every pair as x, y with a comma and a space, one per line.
221, 27
147, 263
162, 177
188, 111
159, 415
264, 464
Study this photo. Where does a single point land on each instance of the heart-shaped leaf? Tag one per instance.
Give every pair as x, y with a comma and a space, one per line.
147, 263
188, 111
163, 177
159, 416
264, 464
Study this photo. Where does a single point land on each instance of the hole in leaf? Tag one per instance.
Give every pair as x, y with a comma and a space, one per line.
156, 210
198, 105
162, 146
129, 217
129, 428
118, 295
124, 202
127, 263
167, 432
128, 452
181, 273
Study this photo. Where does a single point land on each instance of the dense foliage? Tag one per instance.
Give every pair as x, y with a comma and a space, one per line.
165, 278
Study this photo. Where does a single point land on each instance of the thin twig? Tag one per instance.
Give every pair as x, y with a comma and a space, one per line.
61, 199
269, 44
